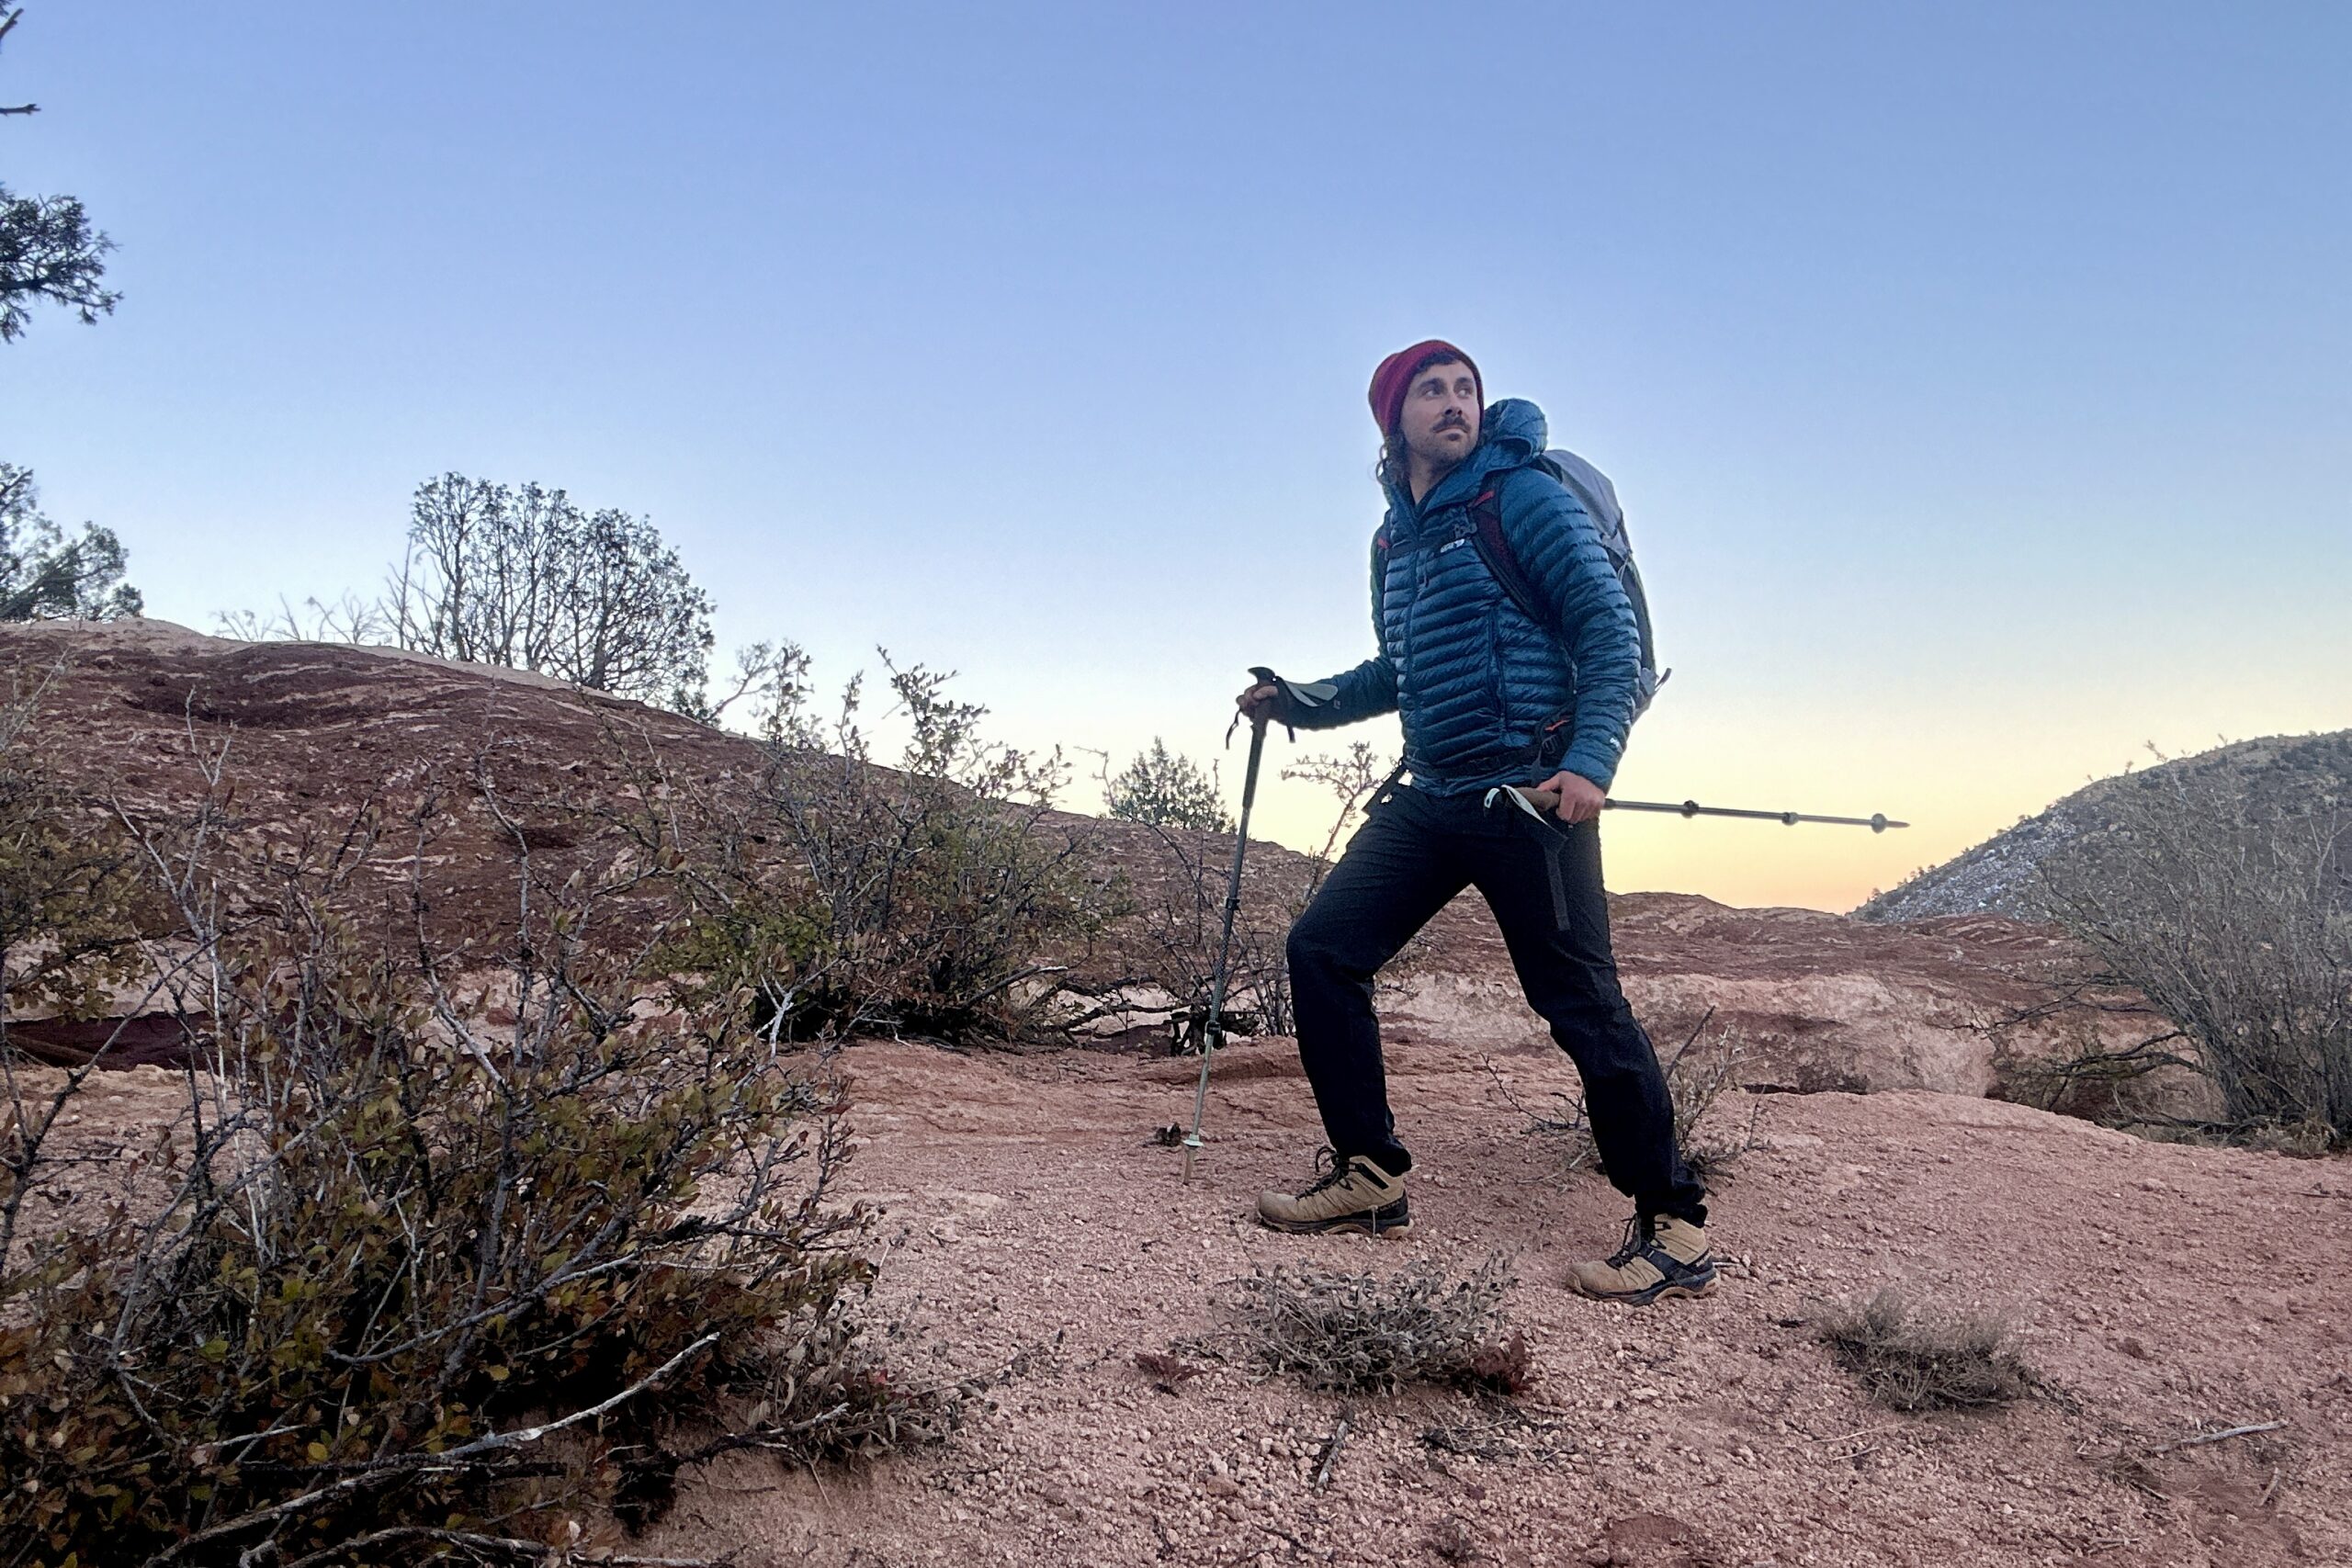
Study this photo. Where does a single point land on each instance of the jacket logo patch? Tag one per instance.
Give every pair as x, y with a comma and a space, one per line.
1455, 544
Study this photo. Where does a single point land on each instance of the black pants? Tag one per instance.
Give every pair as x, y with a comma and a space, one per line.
1543, 881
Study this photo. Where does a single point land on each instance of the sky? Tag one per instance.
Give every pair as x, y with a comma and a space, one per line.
1977, 379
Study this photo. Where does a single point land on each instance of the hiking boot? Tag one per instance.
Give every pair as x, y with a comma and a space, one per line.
1662, 1257
1353, 1195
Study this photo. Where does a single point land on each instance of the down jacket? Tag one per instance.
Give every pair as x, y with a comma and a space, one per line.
1488, 696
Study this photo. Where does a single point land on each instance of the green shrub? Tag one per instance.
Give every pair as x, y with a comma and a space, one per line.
414, 1287
1167, 789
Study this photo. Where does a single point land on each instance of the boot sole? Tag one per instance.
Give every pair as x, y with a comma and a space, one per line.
1350, 1224
1664, 1290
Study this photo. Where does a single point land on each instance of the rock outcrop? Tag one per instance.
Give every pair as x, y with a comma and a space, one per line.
316, 735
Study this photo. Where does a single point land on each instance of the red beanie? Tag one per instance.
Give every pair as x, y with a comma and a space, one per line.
1390, 382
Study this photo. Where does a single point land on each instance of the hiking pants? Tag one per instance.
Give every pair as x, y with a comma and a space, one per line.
1414, 853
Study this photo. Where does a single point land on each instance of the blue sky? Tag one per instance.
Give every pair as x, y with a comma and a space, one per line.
1978, 380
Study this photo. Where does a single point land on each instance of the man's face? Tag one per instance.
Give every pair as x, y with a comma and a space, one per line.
1440, 422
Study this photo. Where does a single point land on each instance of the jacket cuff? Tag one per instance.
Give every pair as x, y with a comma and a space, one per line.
1598, 768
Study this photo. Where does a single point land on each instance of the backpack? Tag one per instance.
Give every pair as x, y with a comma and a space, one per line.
1593, 491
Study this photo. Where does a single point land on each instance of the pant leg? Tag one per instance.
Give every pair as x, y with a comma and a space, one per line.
1397, 874
1543, 881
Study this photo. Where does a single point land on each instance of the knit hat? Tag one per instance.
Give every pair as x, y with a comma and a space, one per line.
1391, 381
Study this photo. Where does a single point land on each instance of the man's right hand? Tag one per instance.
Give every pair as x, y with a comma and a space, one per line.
1261, 704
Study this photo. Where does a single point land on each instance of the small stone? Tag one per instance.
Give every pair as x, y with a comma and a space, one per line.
1223, 1486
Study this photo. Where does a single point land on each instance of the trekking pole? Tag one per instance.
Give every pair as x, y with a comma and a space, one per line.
1225, 942
1546, 803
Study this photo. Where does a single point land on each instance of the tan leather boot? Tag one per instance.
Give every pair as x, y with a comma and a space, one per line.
1353, 1195
1662, 1257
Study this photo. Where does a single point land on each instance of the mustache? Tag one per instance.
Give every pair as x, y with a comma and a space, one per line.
1453, 422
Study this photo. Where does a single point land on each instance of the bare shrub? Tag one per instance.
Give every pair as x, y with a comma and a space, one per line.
350, 619
2089, 1048
1169, 908
419, 1285
1360, 1333
1695, 1084
522, 576
1350, 779
1908, 1361
1177, 911
2235, 922
845, 897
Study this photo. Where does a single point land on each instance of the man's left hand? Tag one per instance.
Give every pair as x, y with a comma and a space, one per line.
1581, 798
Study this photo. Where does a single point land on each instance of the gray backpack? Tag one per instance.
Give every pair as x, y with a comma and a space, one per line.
1599, 498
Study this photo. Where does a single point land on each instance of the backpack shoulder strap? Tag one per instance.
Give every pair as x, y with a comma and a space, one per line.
1494, 549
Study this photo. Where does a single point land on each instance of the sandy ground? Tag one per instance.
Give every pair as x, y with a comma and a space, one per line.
2163, 1290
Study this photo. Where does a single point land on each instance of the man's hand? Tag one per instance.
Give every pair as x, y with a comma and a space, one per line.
1261, 704
1581, 798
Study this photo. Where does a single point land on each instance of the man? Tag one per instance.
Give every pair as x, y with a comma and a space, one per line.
1487, 697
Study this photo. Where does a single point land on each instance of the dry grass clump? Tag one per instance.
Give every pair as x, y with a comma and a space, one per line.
1361, 1334
1911, 1362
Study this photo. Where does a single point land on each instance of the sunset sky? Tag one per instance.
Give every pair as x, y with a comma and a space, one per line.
1978, 380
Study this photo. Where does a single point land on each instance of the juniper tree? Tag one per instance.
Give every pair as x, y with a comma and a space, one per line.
1167, 789
44, 574
48, 251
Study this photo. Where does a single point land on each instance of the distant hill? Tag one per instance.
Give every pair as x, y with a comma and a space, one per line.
2001, 875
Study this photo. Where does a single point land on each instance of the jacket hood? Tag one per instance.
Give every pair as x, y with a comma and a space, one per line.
1511, 433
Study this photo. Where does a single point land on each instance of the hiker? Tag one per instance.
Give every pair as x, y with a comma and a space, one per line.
1488, 695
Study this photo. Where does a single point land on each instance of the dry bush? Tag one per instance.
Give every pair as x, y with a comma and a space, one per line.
2060, 1053
1359, 1333
1170, 922
417, 1287
2235, 920
1910, 1362
849, 897
1695, 1084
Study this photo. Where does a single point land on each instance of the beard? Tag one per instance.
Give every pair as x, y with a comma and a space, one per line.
1438, 453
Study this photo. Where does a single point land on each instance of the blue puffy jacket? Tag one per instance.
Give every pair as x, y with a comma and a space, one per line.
1488, 696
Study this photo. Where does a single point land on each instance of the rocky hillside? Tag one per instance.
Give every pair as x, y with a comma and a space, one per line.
315, 734
2001, 875
1034, 1236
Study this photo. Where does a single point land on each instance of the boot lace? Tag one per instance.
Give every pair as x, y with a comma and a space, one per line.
1637, 1242
1332, 1178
